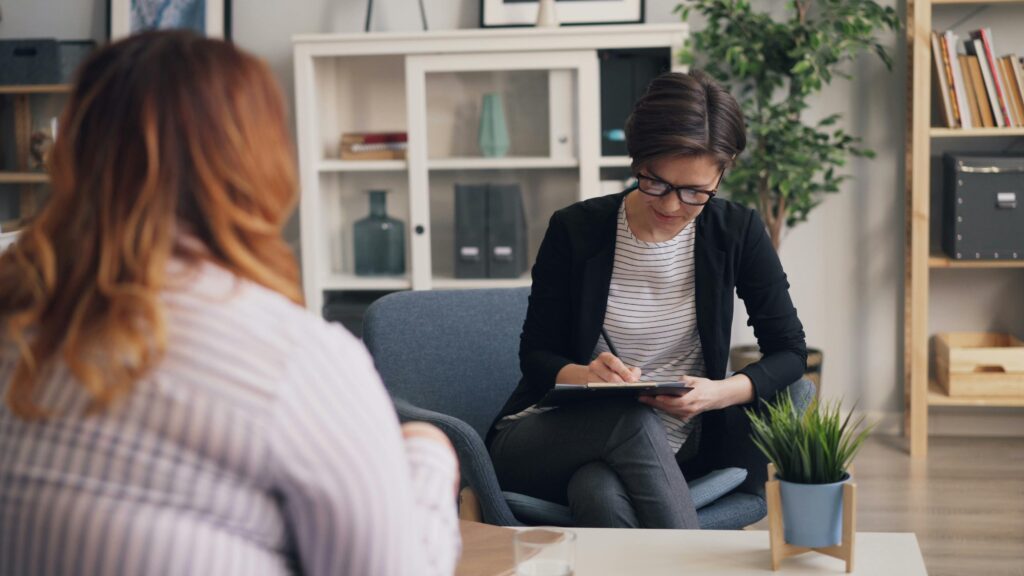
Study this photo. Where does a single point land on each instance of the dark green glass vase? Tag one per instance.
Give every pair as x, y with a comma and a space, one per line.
379, 241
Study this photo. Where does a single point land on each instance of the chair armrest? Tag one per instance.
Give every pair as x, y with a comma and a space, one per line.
474, 461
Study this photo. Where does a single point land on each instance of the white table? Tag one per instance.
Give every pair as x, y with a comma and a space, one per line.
602, 551
617, 552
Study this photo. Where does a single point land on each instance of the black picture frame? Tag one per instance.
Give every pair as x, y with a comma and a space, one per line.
218, 19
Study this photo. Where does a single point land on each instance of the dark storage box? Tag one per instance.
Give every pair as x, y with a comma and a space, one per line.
983, 207
34, 61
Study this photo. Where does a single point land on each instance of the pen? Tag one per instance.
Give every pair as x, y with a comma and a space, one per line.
608, 341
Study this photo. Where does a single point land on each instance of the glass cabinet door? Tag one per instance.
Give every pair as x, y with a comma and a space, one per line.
498, 142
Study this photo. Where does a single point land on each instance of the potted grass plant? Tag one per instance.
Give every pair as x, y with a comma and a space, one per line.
812, 452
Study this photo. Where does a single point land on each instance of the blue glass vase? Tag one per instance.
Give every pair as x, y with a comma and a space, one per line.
493, 137
379, 240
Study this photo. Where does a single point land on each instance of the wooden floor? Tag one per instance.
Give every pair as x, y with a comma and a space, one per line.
965, 502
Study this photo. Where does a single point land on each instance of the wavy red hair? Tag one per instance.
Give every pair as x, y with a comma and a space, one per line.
166, 137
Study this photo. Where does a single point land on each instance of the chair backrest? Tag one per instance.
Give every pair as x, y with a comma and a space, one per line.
450, 351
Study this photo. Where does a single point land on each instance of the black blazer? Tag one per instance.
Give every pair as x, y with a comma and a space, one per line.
732, 252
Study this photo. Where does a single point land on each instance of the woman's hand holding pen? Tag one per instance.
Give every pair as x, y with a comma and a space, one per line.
608, 368
605, 368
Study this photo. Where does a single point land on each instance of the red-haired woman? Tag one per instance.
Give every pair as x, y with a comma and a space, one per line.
169, 406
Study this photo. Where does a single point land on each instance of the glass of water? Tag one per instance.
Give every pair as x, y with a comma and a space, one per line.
545, 552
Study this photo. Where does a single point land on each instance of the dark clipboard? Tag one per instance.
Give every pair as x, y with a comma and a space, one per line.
569, 393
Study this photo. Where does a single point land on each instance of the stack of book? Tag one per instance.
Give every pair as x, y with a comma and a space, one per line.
976, 89
374, 145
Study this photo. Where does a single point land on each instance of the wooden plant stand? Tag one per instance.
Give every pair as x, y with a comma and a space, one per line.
782, 549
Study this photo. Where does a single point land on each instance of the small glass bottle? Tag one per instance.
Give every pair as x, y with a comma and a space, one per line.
379, 240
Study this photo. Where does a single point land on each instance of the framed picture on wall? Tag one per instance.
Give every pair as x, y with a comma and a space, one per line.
210, 18
494, 13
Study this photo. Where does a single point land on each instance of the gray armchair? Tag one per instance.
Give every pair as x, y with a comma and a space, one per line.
451, 358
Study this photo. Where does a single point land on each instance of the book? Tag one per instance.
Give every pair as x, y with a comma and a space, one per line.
1018, 68
947, 68
988, 52
1013, 84
567, 393
980, 94
948, 119
976, 48
959, 86
374, 145
972, 98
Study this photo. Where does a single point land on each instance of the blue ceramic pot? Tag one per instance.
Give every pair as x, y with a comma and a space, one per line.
813, 513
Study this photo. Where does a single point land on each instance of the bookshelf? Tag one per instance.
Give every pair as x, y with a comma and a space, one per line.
21, 188
430, 86
920, 389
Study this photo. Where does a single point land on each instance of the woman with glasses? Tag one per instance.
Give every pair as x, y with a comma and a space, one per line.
638, 286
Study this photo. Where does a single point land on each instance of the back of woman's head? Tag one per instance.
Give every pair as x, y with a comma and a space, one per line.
172, 146
685, 115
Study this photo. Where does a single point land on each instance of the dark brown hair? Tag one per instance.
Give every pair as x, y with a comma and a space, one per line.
167, 136
685, 115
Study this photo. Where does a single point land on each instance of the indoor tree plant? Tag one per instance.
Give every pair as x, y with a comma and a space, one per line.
775, 67
812, 453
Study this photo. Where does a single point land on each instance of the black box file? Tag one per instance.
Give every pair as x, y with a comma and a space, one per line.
983, 214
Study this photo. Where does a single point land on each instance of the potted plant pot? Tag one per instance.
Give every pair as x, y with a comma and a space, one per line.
812, 514
810, 455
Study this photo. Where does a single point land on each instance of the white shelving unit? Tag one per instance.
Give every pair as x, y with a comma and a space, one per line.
429, 85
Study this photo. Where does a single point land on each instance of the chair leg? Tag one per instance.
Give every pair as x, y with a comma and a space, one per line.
469, 506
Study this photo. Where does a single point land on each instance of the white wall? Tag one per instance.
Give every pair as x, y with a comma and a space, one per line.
845, 265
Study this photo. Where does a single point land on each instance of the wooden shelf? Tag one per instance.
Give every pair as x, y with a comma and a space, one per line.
943, 261
615, 162
508, 163
363, 166
938, 397
448, 283
975, 132
36, 89
365, 283
24, 178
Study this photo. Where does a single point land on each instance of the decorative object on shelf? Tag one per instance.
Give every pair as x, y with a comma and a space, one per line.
29, 62
379, 240
493, 137
207, 17
7, 239
369, 15
374, 145
979, 364
983, 214
809, 476
40, 144
546, 14
496, 13
785, 173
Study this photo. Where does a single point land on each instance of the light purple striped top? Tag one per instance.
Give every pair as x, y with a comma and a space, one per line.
263, 443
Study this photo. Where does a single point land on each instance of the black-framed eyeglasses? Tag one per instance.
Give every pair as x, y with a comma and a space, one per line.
653, 186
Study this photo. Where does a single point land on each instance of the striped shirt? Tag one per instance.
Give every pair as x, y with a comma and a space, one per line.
651, 315
263, 443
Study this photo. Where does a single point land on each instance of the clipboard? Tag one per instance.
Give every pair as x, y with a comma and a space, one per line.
568, 393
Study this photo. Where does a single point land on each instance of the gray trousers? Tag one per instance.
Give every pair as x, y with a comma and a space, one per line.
609, 460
